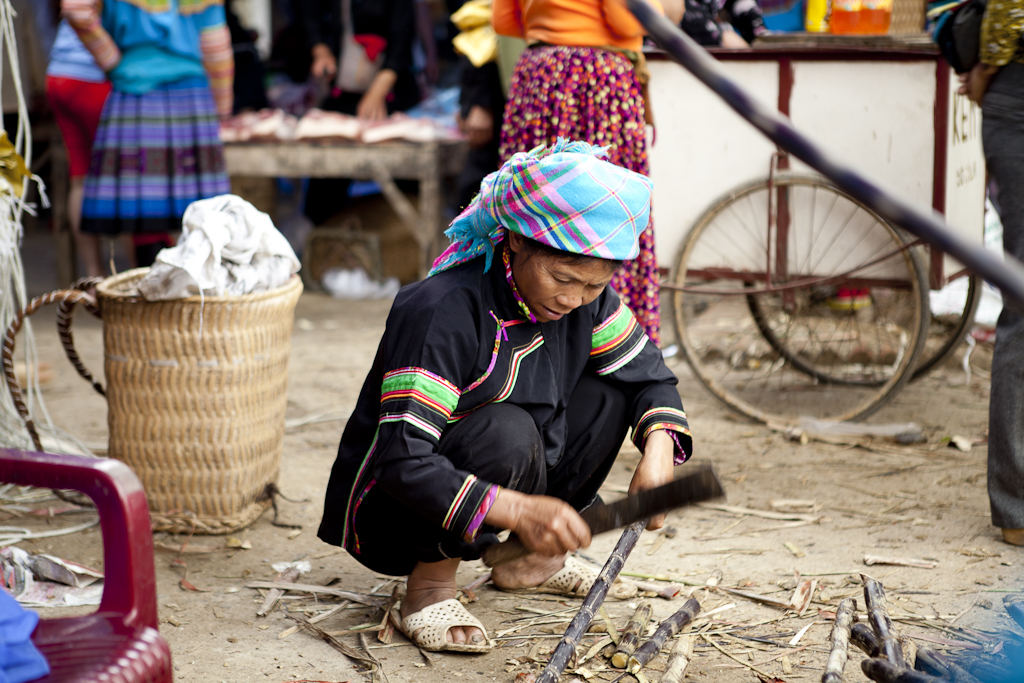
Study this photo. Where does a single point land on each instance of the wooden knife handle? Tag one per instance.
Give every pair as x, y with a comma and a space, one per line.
505, 552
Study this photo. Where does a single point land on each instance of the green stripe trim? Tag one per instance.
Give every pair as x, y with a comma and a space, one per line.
418, 380
612, 328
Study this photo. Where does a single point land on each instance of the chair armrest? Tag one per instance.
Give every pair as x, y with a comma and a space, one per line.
129, 586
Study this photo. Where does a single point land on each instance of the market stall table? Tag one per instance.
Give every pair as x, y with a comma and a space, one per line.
382, 162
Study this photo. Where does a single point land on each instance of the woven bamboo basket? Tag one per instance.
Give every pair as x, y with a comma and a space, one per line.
907, 17
197, 391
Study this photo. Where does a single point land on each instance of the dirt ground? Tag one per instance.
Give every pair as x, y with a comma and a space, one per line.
927, 501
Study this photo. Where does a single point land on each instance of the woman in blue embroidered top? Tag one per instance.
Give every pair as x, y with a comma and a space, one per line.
500, 396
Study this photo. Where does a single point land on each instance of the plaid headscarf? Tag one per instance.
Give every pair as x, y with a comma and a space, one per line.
564, 196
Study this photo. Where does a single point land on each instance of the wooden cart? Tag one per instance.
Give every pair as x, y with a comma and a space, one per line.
791, 298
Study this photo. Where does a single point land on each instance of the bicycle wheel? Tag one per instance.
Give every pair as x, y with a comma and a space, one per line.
824, 314
946, 333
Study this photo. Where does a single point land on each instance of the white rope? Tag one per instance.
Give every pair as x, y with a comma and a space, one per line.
13, 295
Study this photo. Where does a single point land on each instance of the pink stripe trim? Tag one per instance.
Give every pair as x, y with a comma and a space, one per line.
478, 519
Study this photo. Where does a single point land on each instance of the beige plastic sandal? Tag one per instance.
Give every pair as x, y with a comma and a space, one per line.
576, 578
433, 623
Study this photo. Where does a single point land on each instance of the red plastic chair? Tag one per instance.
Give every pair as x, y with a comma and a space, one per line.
119, 643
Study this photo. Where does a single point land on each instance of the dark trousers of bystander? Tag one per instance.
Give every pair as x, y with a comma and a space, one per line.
500, 443
1003, 138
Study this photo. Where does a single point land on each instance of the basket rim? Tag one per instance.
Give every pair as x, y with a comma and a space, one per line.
104, 290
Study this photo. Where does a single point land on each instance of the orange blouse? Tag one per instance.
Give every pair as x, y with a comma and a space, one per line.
582, 23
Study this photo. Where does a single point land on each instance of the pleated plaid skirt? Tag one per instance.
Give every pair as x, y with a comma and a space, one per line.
153, 155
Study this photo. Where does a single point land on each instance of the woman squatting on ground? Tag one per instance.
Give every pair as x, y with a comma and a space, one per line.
502, 391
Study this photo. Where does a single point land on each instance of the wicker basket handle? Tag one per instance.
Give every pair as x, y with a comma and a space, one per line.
69, 296
64, 310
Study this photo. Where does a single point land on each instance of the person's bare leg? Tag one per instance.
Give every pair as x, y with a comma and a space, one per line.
128, 244
92, 254
87, 245
527, 572
434, 582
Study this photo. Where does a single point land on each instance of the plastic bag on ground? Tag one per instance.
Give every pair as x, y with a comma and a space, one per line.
354, 283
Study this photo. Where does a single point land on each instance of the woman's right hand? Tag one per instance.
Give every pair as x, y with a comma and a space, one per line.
324, 64
546, 525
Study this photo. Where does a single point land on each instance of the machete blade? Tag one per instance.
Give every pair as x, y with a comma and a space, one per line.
699, 484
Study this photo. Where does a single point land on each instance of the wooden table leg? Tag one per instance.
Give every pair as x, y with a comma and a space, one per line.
431, 225
67, 258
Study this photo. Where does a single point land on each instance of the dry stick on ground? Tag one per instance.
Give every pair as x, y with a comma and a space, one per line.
909, 648
289, 575
882, 671
840, 642
668, 628
362, 599
754, 597
377, 673
668, 592
874, 596
387, 627
736, 659
678, 660
635, 629
863, 637
610, 628
595, 597
341, 647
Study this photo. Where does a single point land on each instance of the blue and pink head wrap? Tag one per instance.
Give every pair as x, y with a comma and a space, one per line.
564, 196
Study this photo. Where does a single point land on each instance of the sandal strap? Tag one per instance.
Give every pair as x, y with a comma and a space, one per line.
576, 578
434, 621
565, 580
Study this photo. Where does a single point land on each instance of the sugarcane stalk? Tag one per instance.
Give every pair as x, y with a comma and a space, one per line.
840, 642
932, 662
929, 662
678, 660
1014, 605
598, 592
630, 638
874, 596
884, 671
863, 637
668, 628
958, 674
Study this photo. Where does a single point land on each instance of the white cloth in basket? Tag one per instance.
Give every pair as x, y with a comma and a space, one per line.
227, 247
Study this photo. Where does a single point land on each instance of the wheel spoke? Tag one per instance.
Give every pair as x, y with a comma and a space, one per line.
784, 354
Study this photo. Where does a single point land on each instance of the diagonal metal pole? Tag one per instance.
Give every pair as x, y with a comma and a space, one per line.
1008, 276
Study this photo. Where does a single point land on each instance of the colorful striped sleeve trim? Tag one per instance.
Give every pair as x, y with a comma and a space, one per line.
469, 507
419, 397
671, 420
481, 511
219, 61
617, 341
84, 17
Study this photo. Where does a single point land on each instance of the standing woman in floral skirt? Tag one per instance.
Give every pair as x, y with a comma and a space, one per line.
583, 77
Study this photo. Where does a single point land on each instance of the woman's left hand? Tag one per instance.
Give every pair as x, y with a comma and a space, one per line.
373, 105
372, 108
975, 82
655, 469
